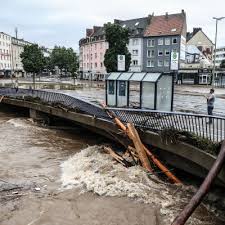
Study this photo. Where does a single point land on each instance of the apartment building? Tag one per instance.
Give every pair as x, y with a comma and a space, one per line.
17, 49
199, 50
220, 56
137, 28
92, 49
5, 54
164, 34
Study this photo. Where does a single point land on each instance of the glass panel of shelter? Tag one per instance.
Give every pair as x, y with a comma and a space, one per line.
135, 90
111, 89
123, 89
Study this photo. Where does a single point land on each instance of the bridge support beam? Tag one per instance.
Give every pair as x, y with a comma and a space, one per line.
39, 116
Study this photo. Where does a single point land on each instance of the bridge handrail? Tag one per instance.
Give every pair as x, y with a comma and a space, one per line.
48, 96
142, 118
196, 124
167, 112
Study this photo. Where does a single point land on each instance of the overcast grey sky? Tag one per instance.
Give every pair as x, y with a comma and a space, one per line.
63, 22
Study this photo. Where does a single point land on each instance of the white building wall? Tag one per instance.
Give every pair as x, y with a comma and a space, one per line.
135, 47
5, 51
220, 55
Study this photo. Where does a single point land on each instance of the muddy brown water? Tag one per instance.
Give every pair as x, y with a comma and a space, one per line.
31, 190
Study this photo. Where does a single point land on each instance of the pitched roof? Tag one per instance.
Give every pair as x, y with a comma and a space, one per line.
166, 25
196, 31
136, 26
99, 31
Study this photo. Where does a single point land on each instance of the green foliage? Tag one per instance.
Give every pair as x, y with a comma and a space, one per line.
65, 58
222, 65
32, 58
173, 136
118, 38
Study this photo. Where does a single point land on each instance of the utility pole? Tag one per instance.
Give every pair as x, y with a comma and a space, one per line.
214, 63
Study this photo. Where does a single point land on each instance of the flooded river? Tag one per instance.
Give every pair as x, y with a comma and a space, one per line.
50, 176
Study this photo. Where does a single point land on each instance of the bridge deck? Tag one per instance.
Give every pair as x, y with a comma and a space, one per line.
147, 119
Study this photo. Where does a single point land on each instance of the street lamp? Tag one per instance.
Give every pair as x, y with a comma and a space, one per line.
214, 63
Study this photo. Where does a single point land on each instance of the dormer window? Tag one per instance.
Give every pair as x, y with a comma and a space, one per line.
136, 24
173, 30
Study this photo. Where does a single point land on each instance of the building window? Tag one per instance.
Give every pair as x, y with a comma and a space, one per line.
160, 63
167, 63
160, 41
95, 46
135, 52
167, 52
167, 41
151, 43
135, 41
96, 65
96, 55
174, 40
150, 53
160, 53
135, 62
150, 63
101, 64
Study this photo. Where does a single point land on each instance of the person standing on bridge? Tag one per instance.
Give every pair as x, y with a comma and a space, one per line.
210, 104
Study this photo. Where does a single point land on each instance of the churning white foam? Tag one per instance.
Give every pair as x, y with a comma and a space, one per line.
92, 170
23, 123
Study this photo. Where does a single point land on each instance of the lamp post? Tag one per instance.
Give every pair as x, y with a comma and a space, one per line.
214, 63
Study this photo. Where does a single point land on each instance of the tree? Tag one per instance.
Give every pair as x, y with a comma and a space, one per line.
118, 38
33, 60
65, 59
222, 65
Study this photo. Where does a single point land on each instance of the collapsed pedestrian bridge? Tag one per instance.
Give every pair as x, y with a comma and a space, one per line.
183, 140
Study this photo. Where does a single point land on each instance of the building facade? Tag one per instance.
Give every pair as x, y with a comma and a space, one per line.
5, 54
199, 50
164, 35
92, 50
136, 29
220, 56
17, 49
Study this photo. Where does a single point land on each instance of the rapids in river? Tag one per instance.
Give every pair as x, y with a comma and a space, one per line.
50, 176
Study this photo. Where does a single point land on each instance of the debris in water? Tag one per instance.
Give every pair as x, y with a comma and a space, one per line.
92, 170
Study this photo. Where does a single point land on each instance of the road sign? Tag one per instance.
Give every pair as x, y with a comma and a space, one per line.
174, 65
121, 62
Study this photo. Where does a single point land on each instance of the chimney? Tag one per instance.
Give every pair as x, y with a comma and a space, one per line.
196, 30
183, 12
116, 21
89, 32
167, 15
95, 28
150, 16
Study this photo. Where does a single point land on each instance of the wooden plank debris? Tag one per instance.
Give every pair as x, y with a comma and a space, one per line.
143, 154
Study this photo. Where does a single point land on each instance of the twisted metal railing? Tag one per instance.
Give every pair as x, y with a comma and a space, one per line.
193, 123
52, 97
147, 119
